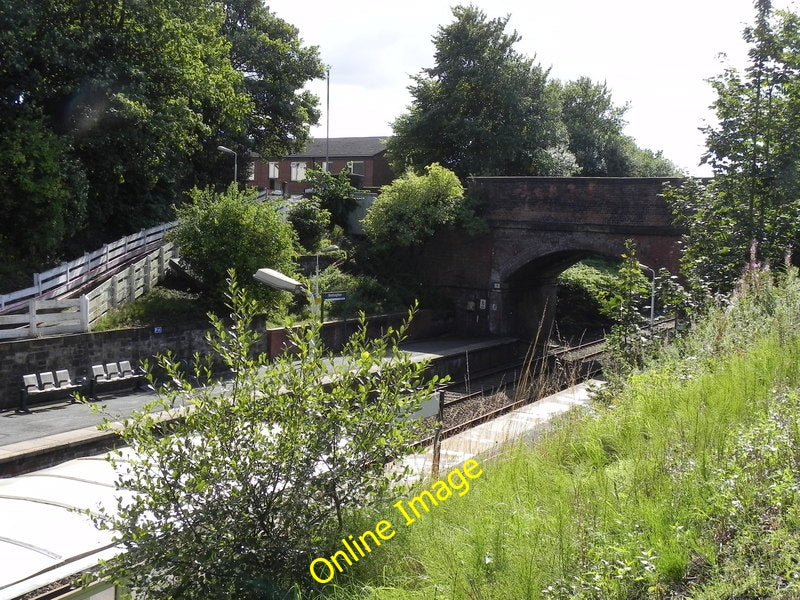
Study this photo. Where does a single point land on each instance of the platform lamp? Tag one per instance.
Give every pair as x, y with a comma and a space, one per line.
317, 305
235, 161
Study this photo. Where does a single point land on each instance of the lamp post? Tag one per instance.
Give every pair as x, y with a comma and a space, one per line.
652, 293
235, 160
328, 124
317, 298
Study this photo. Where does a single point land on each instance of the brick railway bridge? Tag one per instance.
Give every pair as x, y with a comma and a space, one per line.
503, 282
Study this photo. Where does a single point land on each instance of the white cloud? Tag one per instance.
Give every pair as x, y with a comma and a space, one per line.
655, 55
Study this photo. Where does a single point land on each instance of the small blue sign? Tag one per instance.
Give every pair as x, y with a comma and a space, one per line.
334, 296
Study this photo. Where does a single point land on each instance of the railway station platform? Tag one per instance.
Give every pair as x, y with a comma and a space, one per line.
486, 439
53, 433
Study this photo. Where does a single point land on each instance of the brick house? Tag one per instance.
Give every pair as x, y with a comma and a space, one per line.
363, 157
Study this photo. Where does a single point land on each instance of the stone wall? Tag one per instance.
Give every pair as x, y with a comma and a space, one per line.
79, 352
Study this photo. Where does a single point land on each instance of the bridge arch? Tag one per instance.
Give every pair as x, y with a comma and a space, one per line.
502, 281
527, 297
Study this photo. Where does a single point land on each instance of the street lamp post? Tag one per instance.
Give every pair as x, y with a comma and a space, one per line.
317, 298
652, 293
235, 161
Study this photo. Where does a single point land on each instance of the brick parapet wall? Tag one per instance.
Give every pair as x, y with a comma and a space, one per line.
575, 201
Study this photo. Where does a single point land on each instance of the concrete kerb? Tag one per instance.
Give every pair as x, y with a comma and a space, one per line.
492, 437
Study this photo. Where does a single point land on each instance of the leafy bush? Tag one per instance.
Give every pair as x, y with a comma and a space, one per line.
336, 194
218, 232
159, 306
581, 290
410, 210
310, 221
252, 482
364, 294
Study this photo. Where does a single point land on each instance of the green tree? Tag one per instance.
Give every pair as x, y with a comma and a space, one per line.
483, 109
335, 192
411, 209
755, 153
218, 232
594, 125
37, 166
630, 343
275, 67
137, 95
237, 497
596, 139
310, 222
136, 88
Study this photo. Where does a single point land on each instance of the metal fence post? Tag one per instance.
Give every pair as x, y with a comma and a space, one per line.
437, 438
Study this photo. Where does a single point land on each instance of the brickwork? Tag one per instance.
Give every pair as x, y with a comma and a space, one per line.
537, 227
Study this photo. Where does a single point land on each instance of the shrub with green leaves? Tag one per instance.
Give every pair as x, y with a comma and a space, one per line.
218, 232
581, 289
364, 294
256, 478
310, 221
410, 210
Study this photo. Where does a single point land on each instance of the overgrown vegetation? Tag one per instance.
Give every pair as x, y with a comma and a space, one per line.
235, 498
685, 484
217, 232
160, 306
310, 222
364, 294
581, 289
752, 201
111, 111
414, 206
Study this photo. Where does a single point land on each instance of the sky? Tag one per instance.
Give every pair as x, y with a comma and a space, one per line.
654, 56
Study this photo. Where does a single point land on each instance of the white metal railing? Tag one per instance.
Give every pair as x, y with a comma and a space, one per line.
76, 273
39, 317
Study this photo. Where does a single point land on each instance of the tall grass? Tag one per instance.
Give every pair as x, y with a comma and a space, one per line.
654, 493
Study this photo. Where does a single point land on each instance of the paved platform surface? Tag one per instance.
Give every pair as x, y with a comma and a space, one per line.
50, 427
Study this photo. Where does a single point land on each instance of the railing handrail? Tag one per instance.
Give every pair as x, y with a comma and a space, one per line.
40, 316
77, 272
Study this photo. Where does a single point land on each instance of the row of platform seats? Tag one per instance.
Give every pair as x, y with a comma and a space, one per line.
60, 385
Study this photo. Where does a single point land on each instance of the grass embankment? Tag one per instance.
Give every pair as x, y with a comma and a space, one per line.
685, 484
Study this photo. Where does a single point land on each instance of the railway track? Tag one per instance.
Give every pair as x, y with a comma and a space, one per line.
483, 396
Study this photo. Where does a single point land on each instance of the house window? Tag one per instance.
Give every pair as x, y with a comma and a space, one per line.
356, 167
274, 170
251, 171
298, 171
